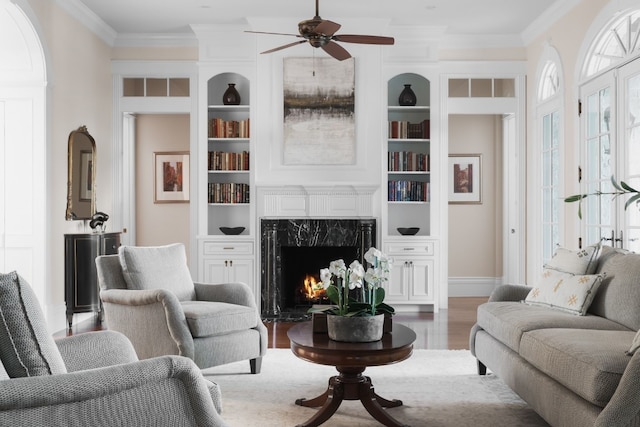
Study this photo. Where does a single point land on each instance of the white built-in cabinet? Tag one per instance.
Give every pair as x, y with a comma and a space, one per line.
227, 190
407, 186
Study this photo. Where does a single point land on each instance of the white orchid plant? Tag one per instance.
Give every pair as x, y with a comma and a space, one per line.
339, 279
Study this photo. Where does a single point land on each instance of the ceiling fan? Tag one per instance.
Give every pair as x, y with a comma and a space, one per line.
321, 33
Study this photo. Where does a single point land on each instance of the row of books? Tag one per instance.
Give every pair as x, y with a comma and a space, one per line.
408, 191
408, 161
402, 129
220, 128
228, 192
225, 161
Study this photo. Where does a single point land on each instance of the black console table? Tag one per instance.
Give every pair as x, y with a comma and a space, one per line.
81, 290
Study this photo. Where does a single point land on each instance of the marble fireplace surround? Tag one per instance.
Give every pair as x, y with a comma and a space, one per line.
304, 232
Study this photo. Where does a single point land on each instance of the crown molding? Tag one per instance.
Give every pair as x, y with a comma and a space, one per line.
481, 41
89, 19
548, 18
156, 40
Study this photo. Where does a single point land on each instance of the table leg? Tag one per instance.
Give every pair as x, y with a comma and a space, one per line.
350, 385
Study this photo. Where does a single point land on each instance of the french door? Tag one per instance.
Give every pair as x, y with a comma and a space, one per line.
610, 128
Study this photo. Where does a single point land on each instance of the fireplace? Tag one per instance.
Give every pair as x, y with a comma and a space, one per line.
293, 249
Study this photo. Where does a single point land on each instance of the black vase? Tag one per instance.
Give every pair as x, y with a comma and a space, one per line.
407, 97
231, 95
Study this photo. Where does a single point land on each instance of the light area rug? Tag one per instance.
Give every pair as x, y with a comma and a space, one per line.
438, 388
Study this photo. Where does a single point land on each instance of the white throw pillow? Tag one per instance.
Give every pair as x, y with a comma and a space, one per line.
635, 344
568, 292
583, 261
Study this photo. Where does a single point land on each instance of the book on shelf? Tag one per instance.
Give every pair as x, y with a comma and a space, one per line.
228, 192
407, 161
403, 129
408, 191
220, 128
228, 161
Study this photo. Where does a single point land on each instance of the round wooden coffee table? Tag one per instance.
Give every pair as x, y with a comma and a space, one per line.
350, 359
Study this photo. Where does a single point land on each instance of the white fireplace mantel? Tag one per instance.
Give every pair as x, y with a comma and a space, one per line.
304, 201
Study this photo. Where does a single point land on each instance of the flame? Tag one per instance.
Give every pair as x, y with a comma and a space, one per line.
313, 288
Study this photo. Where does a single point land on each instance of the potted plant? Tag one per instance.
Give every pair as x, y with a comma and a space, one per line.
356, 319
621, 188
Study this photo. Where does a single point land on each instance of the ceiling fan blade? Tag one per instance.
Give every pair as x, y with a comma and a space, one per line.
358, 38
328, 28
275, 34
284, 46
337, 51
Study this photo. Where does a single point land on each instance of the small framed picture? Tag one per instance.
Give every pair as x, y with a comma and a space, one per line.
171, 181
465, 186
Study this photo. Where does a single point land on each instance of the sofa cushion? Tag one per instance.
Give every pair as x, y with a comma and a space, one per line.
26, 347
506, 321
157, 267
588, 362
583, 261
207, 318
618, 297
568, 292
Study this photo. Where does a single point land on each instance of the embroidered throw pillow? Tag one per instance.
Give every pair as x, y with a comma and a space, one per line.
568, 292
583, 261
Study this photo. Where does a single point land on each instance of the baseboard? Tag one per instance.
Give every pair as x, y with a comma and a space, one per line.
473, 286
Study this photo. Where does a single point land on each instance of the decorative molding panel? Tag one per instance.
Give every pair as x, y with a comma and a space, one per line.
316, 202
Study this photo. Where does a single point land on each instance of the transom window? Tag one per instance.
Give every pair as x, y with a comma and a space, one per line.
616, 44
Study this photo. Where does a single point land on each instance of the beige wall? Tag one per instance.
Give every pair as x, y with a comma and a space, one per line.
79, 93
475, 236
159, 223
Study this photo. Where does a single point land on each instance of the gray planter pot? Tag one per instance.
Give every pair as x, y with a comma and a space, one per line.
355, 329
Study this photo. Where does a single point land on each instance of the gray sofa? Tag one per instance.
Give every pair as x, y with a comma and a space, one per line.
572, 370
91, 379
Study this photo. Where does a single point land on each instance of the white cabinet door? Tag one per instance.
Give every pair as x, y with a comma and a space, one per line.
396, 289
421, 280
228, 270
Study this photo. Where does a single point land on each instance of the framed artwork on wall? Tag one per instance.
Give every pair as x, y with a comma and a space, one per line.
465, 185
319, 111
171, 177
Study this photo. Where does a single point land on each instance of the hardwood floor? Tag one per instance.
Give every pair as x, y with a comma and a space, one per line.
447, 329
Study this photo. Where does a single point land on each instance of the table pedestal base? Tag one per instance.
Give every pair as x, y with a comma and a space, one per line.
350, 384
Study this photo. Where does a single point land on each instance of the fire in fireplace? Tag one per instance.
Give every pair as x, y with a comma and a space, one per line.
303, 264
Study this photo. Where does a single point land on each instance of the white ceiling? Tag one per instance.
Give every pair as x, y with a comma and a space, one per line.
470, 18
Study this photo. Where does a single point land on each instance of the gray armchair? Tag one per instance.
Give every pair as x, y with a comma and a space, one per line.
91, 379
149, 296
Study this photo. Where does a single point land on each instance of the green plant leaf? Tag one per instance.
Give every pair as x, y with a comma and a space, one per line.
333, 294
615, 184
379, 296
385, 308
575, 198
627, 187
633, 199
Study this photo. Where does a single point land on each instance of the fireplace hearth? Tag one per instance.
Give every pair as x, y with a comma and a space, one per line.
293, 249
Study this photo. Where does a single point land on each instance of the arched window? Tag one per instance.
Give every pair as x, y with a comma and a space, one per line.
615, 44
549, 113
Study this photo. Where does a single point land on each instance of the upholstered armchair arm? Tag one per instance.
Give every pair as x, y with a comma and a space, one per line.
509, 293
624, 407
95, 350
153, 320
164, 391
232, 293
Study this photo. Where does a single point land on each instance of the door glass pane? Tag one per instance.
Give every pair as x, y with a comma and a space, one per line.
592, 115
605, 110
605, 158
546, 132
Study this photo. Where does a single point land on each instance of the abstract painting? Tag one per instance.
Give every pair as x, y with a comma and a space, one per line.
319, 119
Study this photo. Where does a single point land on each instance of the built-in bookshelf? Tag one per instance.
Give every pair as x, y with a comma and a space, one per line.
408, 157
228, 156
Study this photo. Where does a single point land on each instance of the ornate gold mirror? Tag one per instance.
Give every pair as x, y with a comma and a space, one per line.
81, 183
